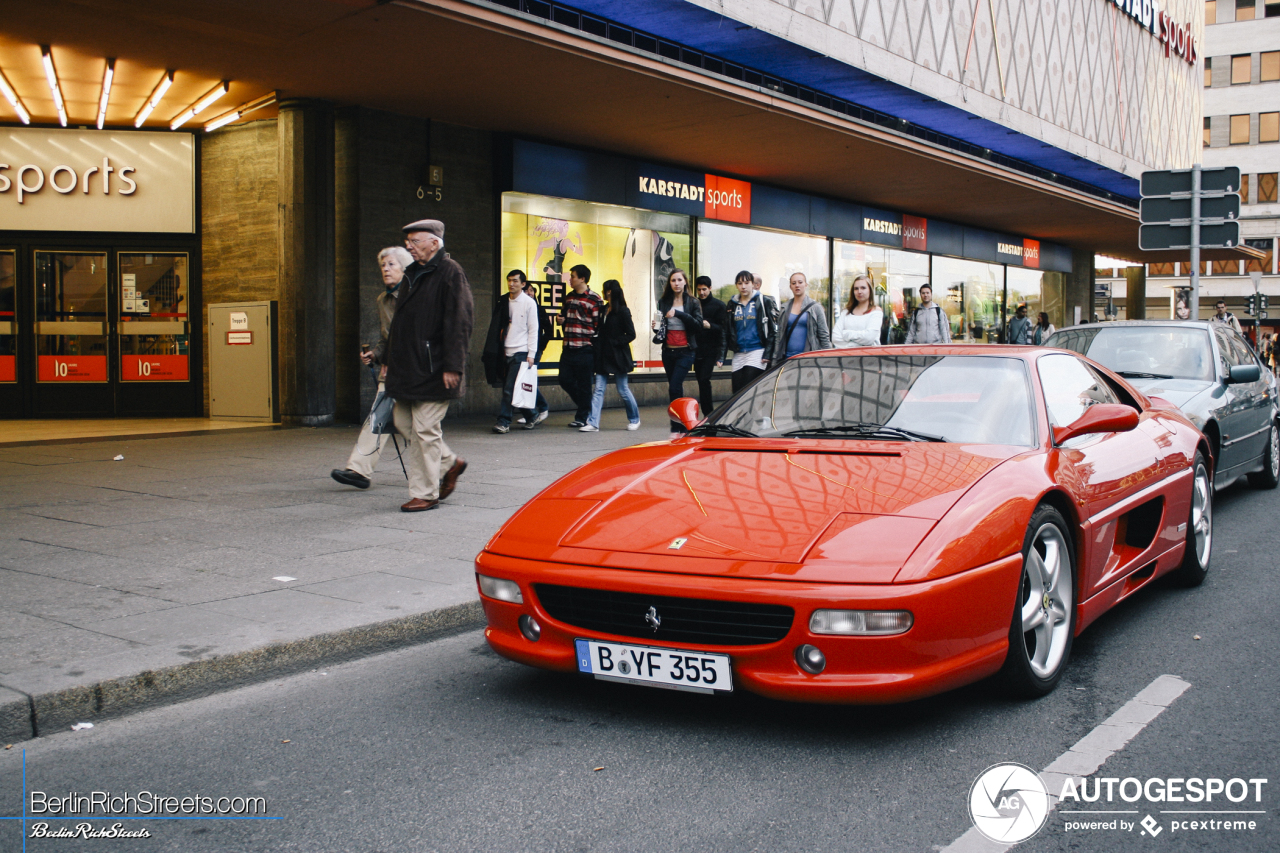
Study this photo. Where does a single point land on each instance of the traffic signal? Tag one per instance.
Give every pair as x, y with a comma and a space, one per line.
1263, 303
1251, 305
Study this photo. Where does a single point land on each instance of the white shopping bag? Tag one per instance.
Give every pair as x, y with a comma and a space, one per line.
525, 394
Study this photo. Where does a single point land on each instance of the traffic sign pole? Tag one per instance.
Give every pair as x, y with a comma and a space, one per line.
1195, 242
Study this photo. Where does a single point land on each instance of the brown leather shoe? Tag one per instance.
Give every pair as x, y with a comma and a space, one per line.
450, 479
419, 505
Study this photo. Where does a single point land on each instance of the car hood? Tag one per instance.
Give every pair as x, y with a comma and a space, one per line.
708, 508
1179, 392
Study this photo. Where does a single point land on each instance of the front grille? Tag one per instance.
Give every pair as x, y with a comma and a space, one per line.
684, 620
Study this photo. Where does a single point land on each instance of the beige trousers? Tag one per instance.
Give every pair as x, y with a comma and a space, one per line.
364, 456
426, 457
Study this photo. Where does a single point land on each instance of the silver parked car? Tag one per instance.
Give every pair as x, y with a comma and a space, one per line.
1208, 371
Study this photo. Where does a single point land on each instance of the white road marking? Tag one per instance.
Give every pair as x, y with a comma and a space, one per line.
1090, 752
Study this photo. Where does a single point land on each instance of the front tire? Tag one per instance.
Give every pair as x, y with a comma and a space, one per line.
1195, 561
1044, 612
1267, 478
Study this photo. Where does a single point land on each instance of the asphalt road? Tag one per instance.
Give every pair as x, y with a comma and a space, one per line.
446, 747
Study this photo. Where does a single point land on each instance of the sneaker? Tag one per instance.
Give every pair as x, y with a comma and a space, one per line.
520, 421
576, 424
528, 424
542, 416
588, 428
633, 427
501, 429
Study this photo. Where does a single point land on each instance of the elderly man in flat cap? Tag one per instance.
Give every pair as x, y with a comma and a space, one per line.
426, 361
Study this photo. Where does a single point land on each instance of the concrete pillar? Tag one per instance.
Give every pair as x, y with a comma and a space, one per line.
1080, 285
1135, 296
306, 244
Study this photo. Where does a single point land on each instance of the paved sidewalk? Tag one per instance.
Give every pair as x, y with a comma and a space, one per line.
200, 562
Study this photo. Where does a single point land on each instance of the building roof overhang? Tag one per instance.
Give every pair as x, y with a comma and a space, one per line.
483, 66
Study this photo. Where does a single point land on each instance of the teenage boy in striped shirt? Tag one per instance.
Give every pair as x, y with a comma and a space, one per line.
580, 320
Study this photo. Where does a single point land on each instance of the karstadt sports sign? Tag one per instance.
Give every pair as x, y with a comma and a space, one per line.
1176, 37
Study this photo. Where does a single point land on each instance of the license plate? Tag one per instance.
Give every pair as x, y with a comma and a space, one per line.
675, 669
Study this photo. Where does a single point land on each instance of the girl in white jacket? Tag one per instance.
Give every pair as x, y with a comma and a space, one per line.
859, 322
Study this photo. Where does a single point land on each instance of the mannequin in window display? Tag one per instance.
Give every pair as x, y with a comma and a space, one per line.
556, 237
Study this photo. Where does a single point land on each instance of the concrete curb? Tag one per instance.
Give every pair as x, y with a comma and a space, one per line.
23, 717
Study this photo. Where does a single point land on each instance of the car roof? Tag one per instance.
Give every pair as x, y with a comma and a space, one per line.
989, 350
1184, 324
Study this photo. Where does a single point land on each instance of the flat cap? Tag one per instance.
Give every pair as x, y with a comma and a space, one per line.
431, 226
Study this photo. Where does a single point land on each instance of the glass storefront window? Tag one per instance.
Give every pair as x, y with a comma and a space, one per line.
154, 334
970, 292
725, 250
8, 318
71, 316
897, 276
546, 237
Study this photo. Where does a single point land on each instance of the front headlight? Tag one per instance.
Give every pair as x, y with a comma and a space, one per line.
502, 590
864, 623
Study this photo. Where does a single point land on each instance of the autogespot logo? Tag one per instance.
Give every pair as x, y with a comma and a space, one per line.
1008, 803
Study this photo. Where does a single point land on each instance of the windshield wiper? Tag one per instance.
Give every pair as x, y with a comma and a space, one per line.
1138, 374
866, 430
718, 429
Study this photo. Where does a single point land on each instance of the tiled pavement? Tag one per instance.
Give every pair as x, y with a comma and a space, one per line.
163, 575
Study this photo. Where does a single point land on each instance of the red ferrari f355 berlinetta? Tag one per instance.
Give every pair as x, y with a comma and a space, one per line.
871, 525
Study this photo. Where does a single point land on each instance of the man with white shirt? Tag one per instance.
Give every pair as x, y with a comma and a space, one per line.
519, 344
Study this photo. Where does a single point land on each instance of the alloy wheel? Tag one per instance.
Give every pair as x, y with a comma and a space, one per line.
1202, 512
1046, 601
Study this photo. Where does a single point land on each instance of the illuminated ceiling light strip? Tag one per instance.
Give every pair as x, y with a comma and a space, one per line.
51, 76
12, 97
107, 77
241, 111
163, 86
199, 106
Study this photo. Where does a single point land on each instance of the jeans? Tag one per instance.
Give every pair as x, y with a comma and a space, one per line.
703, 367
624, 391
509, 387
577, 369
676, 362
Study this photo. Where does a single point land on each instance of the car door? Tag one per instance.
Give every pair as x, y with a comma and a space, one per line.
1099, 470
1236, 410
1255, 405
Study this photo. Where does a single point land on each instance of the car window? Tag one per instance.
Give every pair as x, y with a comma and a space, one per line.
1071, 387
1229, 354
1077, 340
963, 399
1241, 349
1147, 351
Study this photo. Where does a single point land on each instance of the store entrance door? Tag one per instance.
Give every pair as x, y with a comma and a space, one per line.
95, 333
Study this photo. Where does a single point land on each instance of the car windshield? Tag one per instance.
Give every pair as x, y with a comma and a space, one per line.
1143, 352
966, 399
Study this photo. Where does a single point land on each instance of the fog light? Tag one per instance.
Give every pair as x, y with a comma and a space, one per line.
865, 623
811, 659
530, 628
500, 589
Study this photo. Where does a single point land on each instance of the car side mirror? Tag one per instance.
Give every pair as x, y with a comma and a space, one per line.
685, 410
1104, 417
1242, 373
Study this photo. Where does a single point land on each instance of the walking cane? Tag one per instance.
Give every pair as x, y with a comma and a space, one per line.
394, 443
